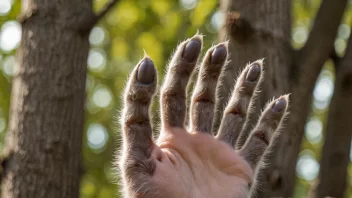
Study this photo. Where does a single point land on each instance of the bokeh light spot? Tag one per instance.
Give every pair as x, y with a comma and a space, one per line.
97, 136
10, 36
8, 66
344, 31
314, 130
5, 7
300, 35
128, 13
307, 166
96, 60
97, 36
340, 46
102, 97
188, 4
217, 20
323, 89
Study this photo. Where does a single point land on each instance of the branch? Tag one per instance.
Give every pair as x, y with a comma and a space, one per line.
93, 19
336, 149
321, 38
105, 10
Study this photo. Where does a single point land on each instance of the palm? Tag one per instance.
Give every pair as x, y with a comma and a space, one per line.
198, 165
192, 162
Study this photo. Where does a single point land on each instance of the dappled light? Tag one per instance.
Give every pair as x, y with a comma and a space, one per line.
188, 4
102, 97
314, 131
97, 137
96, 60
323, 90
300, 35
8, 66
307, 166
10, 36
5, 6
97, 36
217, 20
344, 31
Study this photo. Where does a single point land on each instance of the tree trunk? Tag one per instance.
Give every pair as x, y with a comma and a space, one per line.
258, 29
255, 34
336, 150
262, 29
43, 146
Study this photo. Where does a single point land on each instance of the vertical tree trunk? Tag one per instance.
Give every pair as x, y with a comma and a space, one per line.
336, 150
43, 146
262, 29
257, 29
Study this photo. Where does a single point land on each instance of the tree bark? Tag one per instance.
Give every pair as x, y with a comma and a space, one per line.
332, 180
258, 29
43, 145
255, 34
262, 29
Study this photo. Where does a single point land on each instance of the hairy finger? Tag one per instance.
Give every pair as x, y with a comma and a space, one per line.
236, 111
173, 92
137, 130
203, 99
261, 136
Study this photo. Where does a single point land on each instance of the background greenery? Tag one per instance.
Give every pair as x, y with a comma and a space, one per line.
119, 41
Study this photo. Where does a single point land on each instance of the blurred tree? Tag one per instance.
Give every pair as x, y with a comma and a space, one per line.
263, 29
42, 154
332, 179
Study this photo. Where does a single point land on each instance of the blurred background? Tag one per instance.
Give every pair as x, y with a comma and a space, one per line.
117, 44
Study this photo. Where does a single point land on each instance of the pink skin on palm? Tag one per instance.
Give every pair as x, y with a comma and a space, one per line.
191, 162
197, 165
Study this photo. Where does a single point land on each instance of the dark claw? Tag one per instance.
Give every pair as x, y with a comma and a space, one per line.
192, 50
253, 73
279, 105
146, 71
219, 54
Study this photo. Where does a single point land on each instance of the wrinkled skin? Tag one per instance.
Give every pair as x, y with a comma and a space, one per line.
188, 161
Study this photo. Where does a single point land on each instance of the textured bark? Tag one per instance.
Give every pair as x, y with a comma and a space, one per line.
262, 29
43, 146
256, 30
259, 29
332, 180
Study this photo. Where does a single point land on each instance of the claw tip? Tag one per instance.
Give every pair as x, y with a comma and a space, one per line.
146, 71
280, 104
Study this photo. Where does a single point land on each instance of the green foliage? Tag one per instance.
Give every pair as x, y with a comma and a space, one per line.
156, 27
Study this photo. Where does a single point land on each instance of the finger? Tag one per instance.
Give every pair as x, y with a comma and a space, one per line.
236, 111
261, 136
173, 93
203, 99
137, 130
